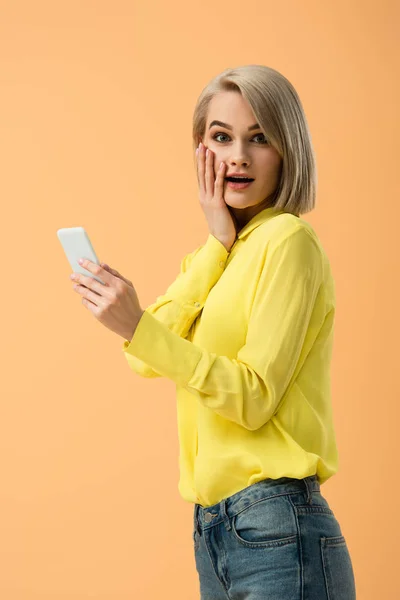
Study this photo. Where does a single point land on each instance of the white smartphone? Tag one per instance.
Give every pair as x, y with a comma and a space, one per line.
76, 244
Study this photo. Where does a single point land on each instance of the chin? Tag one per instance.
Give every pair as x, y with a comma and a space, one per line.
238, 201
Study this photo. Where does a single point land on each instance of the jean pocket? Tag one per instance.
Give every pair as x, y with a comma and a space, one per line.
338, 569
266, 523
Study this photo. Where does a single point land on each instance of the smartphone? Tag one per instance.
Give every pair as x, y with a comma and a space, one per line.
76, 244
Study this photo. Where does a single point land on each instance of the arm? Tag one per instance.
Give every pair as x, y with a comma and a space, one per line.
247, 390
183, 301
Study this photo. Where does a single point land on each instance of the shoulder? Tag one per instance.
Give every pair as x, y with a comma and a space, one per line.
288, 228
297, 240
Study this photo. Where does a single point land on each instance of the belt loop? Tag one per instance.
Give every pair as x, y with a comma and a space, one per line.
309, 494
225, 515
196, 522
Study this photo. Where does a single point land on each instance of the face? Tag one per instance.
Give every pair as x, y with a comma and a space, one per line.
242, 151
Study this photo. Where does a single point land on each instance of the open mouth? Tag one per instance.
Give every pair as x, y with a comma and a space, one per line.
238, 183
239, 179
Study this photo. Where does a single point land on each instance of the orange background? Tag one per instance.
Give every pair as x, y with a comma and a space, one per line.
96, 102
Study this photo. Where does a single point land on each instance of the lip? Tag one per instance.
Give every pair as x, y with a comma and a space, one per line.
238, 186
239, 175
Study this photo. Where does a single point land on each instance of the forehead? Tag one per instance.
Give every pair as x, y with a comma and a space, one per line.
231, 108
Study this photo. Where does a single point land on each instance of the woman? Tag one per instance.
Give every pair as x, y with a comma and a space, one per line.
246, 333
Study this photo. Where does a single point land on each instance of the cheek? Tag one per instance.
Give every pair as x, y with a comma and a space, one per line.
215, 147
270, 170
218, 158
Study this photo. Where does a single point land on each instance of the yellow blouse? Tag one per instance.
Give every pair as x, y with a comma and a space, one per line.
247, 338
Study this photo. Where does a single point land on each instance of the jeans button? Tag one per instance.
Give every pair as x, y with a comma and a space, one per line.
208, 517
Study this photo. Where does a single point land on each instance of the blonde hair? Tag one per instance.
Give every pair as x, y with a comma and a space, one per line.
279, 112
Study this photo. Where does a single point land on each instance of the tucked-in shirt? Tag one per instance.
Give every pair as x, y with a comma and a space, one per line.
247, 338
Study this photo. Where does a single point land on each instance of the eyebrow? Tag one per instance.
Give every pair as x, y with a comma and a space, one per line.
221, 124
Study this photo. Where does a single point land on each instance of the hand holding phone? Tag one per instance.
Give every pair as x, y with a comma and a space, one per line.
76, 244
114, 304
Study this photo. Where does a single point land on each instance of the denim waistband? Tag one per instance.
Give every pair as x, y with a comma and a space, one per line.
227, 508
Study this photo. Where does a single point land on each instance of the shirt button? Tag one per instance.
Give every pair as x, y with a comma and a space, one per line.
221, 264
197, 304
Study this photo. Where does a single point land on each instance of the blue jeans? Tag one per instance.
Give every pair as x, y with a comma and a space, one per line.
277, 539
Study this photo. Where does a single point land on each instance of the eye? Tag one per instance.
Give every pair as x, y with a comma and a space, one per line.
265, 141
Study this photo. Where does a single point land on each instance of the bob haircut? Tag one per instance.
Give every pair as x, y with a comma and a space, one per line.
279, 112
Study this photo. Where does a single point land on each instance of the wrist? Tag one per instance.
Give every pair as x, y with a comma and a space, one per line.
131, 333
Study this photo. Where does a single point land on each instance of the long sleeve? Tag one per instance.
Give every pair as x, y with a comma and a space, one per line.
184, 299
248, 389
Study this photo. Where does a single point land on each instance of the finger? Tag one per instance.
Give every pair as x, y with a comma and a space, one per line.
96, 269
210, 177
91, 296
90, 283
220, 180
200, 170
108, 268
116, 273
197, 164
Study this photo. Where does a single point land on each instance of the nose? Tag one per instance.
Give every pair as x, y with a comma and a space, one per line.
238, 162
239, 156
